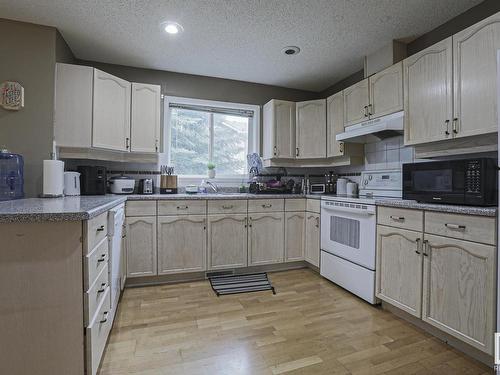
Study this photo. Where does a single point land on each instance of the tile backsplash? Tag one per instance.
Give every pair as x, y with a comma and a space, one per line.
388, 153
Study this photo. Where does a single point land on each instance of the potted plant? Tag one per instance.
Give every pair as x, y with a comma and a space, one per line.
211, 170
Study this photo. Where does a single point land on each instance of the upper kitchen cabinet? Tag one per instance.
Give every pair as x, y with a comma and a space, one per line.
311, 129
475, 78
145, 118
386, 91
279, 130
335, 124
111, 115
356, 101
428, 94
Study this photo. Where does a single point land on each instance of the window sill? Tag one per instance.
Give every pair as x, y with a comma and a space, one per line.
227, 181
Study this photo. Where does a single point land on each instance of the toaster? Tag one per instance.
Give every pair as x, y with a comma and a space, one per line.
146, 186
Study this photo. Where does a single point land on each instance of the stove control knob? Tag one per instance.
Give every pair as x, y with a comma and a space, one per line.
370, 177
366, 182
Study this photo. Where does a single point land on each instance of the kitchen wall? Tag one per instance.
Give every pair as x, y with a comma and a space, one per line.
28, 56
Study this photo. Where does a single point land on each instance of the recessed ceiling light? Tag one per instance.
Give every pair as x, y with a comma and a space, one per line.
291, 50
172, 27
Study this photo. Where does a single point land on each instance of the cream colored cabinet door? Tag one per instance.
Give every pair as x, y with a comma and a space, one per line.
335, 124
312, 242
145, 121
279, 130
428, 96
459, 289
475, 78
266, 238
141, 246
311, 129
227, 241
111, 113
294, 236
356, 101
182, 244
399, 268
386, 91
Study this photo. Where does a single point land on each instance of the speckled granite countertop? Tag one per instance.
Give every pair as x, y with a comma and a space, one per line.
57, 209
465, 210
87, 207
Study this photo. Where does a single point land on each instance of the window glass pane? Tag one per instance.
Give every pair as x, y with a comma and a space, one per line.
230, 144
189, 141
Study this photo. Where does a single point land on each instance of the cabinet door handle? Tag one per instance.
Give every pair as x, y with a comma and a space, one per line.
447, 131
103, 288
102, 258
455, 226
366, 111
227, 207
425, 247
156, 145
370, 109
275, 151
182, 207
454, 125
250, 222
341, 147
296, 151
127, 143
246, 222
317, 221
105, 317
397, 218
418, 246
100, 229
204, 224
267, 205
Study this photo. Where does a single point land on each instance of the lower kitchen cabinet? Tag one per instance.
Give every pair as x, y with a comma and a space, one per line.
399, 268
458, 289
312, 238
266, 238
141, 246
227, 241
182, 243
294, 236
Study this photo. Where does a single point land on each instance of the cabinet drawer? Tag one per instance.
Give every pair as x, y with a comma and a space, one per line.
266, 205
464, 227
182, 207
313, 205
401, 218
295, 204
95, 262
96, 230
140, 208
95, 295
97, 334
230, 206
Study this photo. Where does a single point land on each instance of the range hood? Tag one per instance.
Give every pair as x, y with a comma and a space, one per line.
381, 128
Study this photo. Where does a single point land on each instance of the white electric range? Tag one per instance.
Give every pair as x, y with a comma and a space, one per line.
348, 238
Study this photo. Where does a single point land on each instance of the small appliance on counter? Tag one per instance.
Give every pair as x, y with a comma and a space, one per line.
317, 185
467, 182
92, 180
352, 189
342, 186
71, 183
121, 185
53, 176
146, 186
168, 181
11, 176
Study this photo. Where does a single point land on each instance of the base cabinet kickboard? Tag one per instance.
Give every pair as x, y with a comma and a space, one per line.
441, 273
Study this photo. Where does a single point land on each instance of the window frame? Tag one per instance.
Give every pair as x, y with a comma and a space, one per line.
253, 135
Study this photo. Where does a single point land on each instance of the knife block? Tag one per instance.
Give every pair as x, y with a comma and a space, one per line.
168, 184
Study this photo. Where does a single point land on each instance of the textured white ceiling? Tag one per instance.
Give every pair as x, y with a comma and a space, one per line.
238, 39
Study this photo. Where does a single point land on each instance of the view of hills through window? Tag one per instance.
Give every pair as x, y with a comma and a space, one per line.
198, 138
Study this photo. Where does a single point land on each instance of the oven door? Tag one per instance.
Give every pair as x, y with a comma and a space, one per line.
348, 231
435, 182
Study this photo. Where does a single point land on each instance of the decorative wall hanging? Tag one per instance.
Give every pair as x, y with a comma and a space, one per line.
11, 95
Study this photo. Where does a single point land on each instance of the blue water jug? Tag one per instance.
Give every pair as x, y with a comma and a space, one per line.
11, 176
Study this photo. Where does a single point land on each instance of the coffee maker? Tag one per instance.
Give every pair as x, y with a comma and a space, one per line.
92, 180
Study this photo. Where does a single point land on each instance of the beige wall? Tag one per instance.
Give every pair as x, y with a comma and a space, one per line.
28, 56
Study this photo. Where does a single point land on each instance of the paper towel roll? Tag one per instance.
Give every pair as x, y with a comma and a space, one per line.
53, 178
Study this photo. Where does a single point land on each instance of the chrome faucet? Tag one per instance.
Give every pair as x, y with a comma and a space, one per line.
213, 186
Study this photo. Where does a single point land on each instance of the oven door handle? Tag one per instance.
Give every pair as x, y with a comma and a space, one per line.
359, 211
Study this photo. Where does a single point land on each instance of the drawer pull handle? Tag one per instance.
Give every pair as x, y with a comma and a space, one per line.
397, 218
267, 205
418, 246
227, 207
103, 288
182, 207
100, 229
455, 226
105, 316
102, 258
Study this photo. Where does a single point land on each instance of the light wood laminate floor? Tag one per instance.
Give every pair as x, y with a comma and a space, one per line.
310, 326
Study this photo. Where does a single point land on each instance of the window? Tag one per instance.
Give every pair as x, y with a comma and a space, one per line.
199, 132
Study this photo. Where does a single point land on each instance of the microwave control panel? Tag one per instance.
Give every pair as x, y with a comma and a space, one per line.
473, 176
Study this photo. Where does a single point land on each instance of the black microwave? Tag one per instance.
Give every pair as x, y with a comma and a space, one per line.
467, 182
